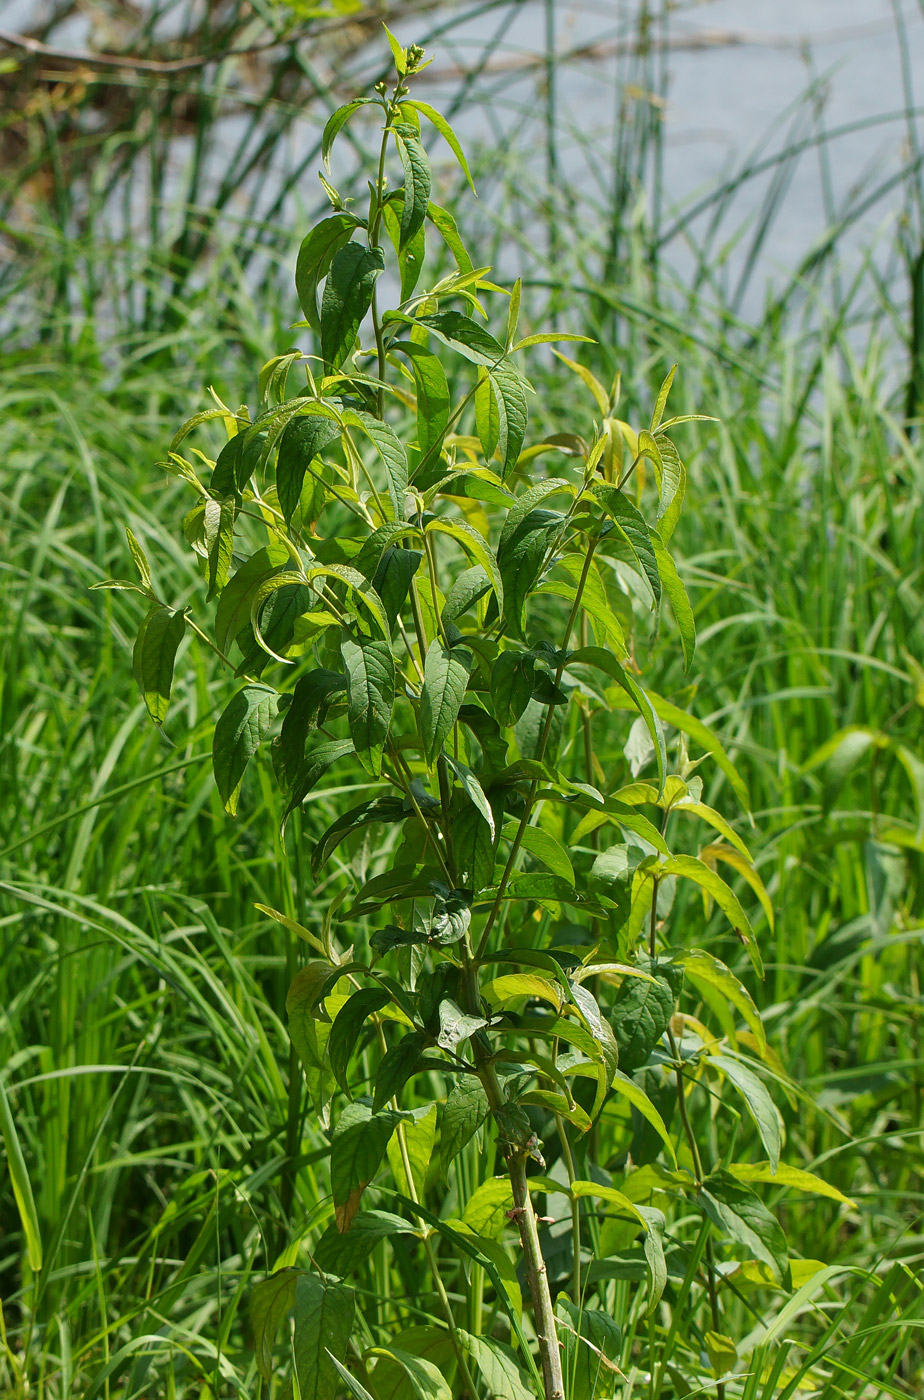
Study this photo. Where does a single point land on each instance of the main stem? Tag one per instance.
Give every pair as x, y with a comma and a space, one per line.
523, 1213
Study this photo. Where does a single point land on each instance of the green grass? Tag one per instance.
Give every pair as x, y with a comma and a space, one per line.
142, 1037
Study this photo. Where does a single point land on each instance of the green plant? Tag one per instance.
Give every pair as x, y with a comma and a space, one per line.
346, 532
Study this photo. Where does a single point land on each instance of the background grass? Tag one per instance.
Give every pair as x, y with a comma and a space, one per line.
141, 994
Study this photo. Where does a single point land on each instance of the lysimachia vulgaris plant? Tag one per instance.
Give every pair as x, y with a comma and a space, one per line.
488, 1022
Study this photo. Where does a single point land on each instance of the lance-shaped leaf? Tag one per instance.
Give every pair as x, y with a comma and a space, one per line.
238, 734
335, 124
678, 598
307, 709
509, 388
628, 1089
757, 1101
232, 614
433, 401
344, 1254
393, 578
391, 452
474, 847
218, 523
347, 297
466, 1109
379, 809
513, 677
313, 769
633, 531
396, 1066
521, 556
456, 1025
703, 968
304, 437
603, 661
466, 336
323, 1323
370, 556
783, 1175
154, 655
271, 1301
370, 671
742, 1216
691, 868
445, 224
475, 545
346, 1028
447, 133
641, 1013
359, 1144
446, 673
314, 259
416, 168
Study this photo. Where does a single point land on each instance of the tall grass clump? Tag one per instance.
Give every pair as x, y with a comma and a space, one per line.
165, 1157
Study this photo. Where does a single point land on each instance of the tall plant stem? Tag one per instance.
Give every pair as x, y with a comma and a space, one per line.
432, 1262
537, 1276
698, 1170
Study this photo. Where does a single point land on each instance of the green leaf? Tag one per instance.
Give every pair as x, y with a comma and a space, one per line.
314, 258
140, 558
475, 545
700, 966
323, 1323
521, 556
473, 845
310, 701
446, 674
622, 1084
691, 868
661, 402
783, 1175
447, 133
416, 168
722, 1353
677, 597
465, 1110
347, 1026
509, 388
498, 1366
433, 400
303, 438
446, 225
528, 501
358, 1147
218, 521
335, 124
391, 452
641, 1014
592, 1346
313, 769
344, 1254
364, 593
486, 1208
379, 809
393, 578
396, 1067
512, 682
419, 1131
347, 297
370, 670
355, 1387
603, 661
487, 417
466, 336
153, 657
552, 853
757, 1101
232, 614
426, 1379
20, 1181
633, 531
271, 1301
742, 1216
456, 1026
238, 735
